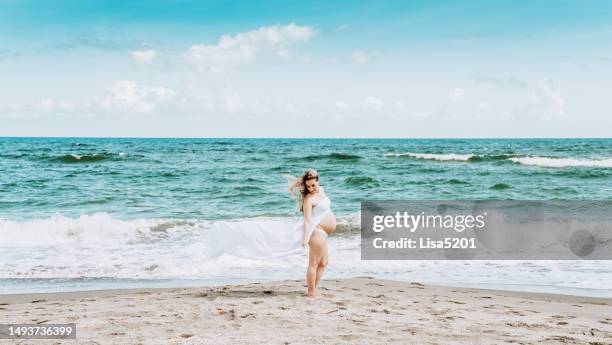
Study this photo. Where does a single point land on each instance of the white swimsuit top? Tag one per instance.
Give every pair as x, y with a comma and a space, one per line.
321, 207
318, 212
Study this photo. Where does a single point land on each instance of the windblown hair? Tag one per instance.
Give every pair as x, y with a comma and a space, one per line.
297, 186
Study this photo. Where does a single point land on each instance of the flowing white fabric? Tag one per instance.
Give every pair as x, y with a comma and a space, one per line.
261, 239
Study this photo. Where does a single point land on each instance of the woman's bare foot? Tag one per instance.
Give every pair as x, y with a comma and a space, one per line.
314, 293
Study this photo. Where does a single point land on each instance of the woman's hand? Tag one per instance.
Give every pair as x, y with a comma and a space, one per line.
304, 243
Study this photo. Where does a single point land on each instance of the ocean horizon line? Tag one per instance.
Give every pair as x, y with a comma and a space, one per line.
311, 138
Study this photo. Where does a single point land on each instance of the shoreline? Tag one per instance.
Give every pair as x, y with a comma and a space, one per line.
14, 298
174, 284
351, 310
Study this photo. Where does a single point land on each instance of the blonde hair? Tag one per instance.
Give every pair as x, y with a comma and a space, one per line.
297, 186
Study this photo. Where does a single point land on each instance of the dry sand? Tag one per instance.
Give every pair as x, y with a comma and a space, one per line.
350, 311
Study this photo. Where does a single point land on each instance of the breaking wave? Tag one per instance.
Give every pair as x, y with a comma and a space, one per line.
562, 162
546, 162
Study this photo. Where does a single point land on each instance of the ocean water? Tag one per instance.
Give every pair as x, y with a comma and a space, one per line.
89, 213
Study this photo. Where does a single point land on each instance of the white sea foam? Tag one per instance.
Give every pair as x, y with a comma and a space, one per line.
100, 246
434, 156
562, 162
95, 229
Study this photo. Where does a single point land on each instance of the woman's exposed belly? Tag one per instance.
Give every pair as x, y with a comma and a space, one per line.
328, 223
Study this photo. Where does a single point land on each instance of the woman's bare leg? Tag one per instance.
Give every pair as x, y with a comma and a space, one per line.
317, 245
321, 268
324, 257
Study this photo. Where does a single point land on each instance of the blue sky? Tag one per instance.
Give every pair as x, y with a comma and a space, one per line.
306, 69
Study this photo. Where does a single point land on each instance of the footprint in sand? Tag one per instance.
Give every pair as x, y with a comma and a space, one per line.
563, 317
453, 317
439, 312
456, 302
248, 316
527, 325
563, 339
231, 313
359, 322
349, 337
377, 296
514, 312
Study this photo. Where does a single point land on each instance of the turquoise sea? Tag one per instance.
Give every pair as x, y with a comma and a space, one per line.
81, 213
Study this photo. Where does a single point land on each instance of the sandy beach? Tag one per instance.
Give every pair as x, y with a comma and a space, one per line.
359, 310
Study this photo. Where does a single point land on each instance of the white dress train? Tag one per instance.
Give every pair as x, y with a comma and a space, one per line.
261, 239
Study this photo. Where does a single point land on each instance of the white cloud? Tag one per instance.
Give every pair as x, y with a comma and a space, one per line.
457, 95
245, 46
360, 57
161, 93
371, 102
45, 104
305, 59
509, 82
232, 101
341, 105
548, 94
127, 95
426, 114
144, 57
290, 108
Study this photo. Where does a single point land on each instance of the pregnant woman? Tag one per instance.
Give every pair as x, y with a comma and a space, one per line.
268, 239
319, 222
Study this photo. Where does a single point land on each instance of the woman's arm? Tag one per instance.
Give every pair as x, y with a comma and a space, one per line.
307, 216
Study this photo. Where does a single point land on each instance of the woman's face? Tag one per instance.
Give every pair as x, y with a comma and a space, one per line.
312, 185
